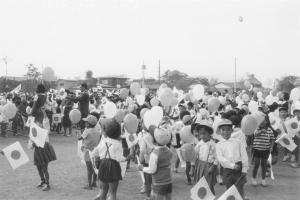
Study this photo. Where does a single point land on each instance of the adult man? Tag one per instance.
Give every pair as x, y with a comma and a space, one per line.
83, 104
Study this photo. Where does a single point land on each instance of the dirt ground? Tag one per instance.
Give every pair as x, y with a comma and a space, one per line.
68, 176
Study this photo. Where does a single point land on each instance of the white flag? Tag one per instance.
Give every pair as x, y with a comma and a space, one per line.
15, 155
79, 152
123, 168
38, 135
293, 127
201, 191
131, 139
286, 141
231, 194
17, 89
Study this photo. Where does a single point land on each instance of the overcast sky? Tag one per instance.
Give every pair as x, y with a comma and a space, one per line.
199, 37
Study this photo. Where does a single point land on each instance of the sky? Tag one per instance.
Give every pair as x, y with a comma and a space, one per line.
199, 37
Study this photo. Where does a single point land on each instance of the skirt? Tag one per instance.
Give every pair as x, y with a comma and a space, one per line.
109, 170
42, 156
162, 189
264, 154
201, 169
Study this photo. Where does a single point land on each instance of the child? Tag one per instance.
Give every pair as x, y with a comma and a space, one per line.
233, 158
206, 161
110, 152
91, 138
296, 112
66, 122
160, 165
146, 147
262, 146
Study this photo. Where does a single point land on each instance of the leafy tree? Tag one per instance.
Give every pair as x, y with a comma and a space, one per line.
89, 74
287, 83
32, 72
48, 74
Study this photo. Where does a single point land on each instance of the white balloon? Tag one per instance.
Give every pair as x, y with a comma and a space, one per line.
269, 100
198, 91
140, 99
253, 106
259, 95
222, 100
153, 116
110, 109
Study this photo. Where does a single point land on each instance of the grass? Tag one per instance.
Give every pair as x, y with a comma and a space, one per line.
68, 176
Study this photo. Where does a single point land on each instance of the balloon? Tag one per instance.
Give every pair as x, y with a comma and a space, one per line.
253, 106
119, 116
154, 102
131, 107
110, 109
153, 116
259, 117
198, 91
249, 125
213, 104
124, 93
140, 98
245, 98
162, 136
222, 100
143, 111
75, 116
144, 91
247, 84
166, 96
269, 100
186, 134
174, 101
295, 94
135, 88
131, 123
187, 152
9, 110
238, 99
259, 95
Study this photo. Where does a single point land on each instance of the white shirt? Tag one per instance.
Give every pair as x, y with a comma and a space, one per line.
238, 134
206, 151
230, 152
115, 150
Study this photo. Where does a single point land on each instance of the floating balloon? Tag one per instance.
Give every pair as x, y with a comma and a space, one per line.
187, 152
166, 96
154, 102
253, 106
295, 94
131, 123
186, 135
140, 99
135, 88
119, 116
131, 107
162, 136
245, 98
9, 110
213, 104
75, 116
259, 117
153, 116
124, 93
269, 100
249, 125
143, 111
198, 91
110, 109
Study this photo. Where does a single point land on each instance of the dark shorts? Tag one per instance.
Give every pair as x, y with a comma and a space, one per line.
162, 189
264, 154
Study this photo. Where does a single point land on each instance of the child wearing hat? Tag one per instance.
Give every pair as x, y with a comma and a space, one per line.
296, 113
110, 152
233, 158
160, 165
91, 138
206, 158
262, 147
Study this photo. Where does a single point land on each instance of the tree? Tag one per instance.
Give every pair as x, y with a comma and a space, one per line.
32, 72
91, 81
48, 74
286, 84
89, 74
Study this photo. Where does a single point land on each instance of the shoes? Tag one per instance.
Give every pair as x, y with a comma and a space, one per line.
295, 165
40, 185
88, 187
293, 158
188, 182
254, 182
94, 185
285, 158
46, 187
175, 170
143, 190
264, 183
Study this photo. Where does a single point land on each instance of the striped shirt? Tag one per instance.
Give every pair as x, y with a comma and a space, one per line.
262, 139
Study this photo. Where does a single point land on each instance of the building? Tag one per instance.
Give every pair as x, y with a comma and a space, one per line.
68, 84
113, 81
229, 86
150, 83
14, 78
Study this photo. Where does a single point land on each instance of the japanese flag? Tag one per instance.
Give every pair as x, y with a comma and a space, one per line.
38, 135
231, 194
15, 155
131, 139
286, 141
29, 121
201, 191
293, 127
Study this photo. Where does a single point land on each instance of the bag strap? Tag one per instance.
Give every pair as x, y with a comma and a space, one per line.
107, 150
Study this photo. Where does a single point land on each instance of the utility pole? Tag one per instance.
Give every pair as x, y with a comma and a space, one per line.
234, 74
5, 62
143, 75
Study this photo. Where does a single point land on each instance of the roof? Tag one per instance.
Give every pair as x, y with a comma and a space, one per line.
114, 76
239, 85
68, 80
20, 78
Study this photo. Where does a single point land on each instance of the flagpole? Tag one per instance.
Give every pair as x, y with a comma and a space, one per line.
234, 74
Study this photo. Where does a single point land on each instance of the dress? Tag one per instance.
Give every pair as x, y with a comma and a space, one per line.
42, 156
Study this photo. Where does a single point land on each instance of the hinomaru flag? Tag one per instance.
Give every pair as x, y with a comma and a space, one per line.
15, 155
231, 194
201, 191
293, 127
131, 139
38, 135
286, 141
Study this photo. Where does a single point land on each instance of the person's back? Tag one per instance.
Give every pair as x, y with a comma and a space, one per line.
91, 138
162, 176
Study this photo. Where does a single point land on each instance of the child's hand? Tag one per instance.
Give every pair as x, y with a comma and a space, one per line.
1, 152
236, 167
140, 167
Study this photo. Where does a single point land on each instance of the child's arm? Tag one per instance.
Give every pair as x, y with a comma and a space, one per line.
152, 165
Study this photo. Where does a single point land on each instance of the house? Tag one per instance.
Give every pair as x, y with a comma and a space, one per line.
113, 81
150, 83
68, 84
229, 86
14, 78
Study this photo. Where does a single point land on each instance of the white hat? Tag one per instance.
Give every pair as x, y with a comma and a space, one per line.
296, 106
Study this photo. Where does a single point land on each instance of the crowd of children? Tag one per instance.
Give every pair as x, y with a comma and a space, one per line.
211, 144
